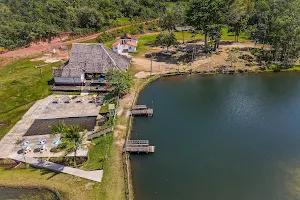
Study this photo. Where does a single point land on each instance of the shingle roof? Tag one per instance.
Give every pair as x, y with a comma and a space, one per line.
92, 58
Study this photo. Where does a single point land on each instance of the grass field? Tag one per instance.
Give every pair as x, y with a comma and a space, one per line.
96, 157
20, 86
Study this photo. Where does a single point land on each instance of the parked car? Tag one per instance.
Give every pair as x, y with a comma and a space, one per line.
166, 53
182, 49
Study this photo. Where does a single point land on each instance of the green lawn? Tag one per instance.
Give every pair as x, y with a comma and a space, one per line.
20, 86
96, 156
187, 36
143, 44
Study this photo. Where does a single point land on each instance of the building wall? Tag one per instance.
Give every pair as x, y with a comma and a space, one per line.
131, 48
116, 48
67, 80
134, 41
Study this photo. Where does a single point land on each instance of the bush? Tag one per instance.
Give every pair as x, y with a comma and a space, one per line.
275, 68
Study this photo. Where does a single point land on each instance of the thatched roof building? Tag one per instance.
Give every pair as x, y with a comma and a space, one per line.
92, 59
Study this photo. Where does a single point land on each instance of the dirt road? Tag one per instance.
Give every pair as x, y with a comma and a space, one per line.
38, 49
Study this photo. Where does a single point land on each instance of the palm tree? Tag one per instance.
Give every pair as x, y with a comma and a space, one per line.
59, 128
72, 140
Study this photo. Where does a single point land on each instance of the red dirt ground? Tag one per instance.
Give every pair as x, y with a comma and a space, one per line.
38, 49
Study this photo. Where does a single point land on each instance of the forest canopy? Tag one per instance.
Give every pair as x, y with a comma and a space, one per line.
23, 21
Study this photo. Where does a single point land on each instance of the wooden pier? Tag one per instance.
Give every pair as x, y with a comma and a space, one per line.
139, 146
141, 110
100, 133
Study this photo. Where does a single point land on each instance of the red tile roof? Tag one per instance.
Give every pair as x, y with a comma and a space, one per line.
132, 44
115, 44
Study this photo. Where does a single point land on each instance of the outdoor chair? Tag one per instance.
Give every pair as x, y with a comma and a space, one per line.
43, 149
27, 149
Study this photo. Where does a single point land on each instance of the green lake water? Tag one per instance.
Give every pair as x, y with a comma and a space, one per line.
223, 137
7, 193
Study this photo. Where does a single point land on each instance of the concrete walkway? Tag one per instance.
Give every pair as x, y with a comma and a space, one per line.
90, 175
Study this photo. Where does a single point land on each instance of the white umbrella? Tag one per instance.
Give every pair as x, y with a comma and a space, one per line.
42, 142
25, 144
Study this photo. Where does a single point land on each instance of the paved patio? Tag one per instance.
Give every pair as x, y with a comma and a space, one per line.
45, 109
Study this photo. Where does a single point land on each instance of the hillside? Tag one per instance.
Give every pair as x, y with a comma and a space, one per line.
24, 21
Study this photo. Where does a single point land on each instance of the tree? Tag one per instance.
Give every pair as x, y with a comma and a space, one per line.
205, 15
120, 81
260, 22
172, 17
165, 40
238, 16
277, 22
72, 140
71, 137
58, 129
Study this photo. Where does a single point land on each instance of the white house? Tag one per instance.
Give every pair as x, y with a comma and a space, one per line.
125, 43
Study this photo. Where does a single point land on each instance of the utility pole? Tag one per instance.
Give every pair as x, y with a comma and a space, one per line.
151, 63
40, 68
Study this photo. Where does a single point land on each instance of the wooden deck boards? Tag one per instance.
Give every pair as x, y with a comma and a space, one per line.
139, 146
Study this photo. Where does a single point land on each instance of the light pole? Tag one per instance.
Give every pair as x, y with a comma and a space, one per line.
40, 68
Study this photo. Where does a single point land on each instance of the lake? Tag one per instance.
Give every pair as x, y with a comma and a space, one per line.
221, 137
7, 193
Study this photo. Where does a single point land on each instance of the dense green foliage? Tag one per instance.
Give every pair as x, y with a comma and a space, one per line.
120, 81
273, 22
134, 30
23, 21
165, 40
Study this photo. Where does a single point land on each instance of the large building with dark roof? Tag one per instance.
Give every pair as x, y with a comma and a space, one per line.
89, 61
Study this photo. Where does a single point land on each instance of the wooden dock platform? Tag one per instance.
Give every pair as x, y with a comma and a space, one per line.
148, 112
138, 107
142, 110
139, 146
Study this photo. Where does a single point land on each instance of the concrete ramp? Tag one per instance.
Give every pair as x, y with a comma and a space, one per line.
90, 175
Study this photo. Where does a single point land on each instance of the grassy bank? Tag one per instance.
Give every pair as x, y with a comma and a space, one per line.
20, 86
